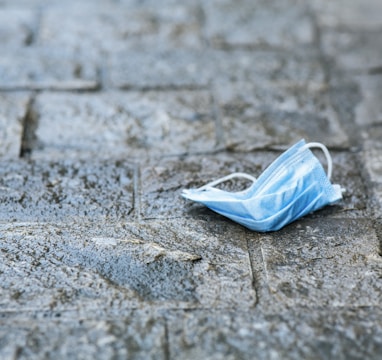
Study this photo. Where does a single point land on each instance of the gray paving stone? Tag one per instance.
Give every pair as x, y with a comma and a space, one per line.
13, 109
345, 97
114, 27
249, 24
369, 110
101, 257
133, 124
66, 190
302, 68
353, 51
35, 68
354, 14
263, 114
156, 69
138, 336
16, 27
116, 267
191, 68
332, 262
372, 163
296, 334
223, 276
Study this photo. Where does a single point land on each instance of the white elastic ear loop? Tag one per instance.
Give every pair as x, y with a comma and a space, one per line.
226, 178
327, 155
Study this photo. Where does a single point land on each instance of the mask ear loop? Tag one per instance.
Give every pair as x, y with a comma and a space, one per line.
327, 155
239, 175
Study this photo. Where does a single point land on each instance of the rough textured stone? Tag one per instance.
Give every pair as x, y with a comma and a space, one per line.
320, 334
361, 14
157, 69
112, 27
192, 68
66, 190
126, 103
281, 25
116, 267
263, 115
369, 111
223, 277
45, 68
124, 124
331, 262
13, 110
372, 162
357, 52
137, 336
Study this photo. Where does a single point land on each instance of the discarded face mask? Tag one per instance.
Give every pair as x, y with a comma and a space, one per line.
294, 185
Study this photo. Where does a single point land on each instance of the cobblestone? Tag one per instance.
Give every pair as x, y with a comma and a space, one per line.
45, 68
251, 25
120, 124
38, 191
109, 108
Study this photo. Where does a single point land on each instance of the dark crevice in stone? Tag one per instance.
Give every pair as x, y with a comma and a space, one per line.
253, 275
30, 123
378, 232
167, 341
375, 70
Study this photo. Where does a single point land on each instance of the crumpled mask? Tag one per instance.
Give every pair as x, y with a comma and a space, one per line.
294, 185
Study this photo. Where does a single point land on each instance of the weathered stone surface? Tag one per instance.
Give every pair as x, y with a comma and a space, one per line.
16, 27
192, 68
34, 68
372, 163
100, 257
133, 124
223, 277
13, 109
66, 190
246, 23
351, 51
331, 262
369, 110
157, 69
359, 15
118, 266
139, 335
261, 115
320, 334
112, 27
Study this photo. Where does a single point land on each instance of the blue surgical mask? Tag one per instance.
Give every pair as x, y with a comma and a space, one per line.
294, 185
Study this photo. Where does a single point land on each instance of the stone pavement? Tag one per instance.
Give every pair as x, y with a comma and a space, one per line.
108, 109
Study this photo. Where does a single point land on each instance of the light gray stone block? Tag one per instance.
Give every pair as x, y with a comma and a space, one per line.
369, 110
139, 335
356, 14
247, 24
320, 263
353, 51
66, 190
133, 125
35, 68
295, 334
112, 27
